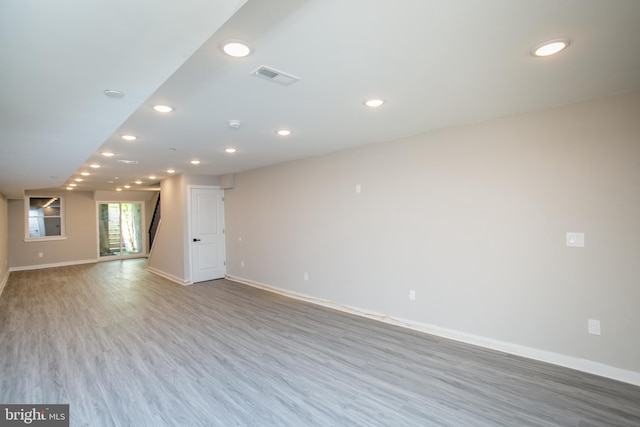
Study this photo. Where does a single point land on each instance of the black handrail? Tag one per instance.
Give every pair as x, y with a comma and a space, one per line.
155, 220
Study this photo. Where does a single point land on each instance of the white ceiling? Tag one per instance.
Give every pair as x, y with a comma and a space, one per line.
437, 63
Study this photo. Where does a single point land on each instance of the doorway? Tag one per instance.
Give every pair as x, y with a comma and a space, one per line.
120, 230
206, 228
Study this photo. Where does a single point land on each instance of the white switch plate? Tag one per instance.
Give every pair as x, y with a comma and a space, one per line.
358, 188
594, 326
412, 295
242, 263
306, 276
575, 240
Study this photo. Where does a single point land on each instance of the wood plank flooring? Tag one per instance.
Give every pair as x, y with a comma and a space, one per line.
126, 348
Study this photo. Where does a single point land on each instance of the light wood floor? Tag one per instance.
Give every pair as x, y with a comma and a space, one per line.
126, 348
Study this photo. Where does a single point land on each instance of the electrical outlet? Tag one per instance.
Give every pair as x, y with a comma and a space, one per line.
358, 188
40, 254
412, 295
594, 327
306, 276
242, 263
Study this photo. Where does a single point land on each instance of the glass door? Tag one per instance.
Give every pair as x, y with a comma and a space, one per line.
120, 229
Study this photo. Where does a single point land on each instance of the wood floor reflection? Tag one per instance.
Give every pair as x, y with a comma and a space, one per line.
127, 348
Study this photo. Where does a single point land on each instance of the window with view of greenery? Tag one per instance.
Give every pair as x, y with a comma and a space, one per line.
45, 218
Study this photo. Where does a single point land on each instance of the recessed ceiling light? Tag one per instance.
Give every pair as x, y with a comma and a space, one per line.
116, 94
152, 177
94, 165
109, 182
283, 132
236, 48
230, 150
118, 189
374, 103
171, 171
78, 180
69, 188
107, 154
127, 186
129, 137
138, 182
195, 162
73, 185
550, 47
162, 108
85, 173
172, 149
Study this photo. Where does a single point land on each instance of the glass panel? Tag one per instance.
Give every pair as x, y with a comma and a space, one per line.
120, 226
109, 228
45, 206
52, 227
45, 216
131, 228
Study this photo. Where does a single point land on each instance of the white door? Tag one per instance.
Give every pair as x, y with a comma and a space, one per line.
207, 234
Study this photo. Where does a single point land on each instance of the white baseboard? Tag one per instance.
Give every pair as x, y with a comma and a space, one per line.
3, 281
169, 276
583, 365
56, 264
122, 258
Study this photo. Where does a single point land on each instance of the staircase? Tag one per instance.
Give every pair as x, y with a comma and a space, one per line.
114, 229
114, 238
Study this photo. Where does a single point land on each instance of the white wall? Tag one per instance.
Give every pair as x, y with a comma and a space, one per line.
473, 219
81, 229
166, 256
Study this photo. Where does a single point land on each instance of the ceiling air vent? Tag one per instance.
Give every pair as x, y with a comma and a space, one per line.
275, 76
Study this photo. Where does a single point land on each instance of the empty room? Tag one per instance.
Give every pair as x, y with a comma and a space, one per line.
320, 213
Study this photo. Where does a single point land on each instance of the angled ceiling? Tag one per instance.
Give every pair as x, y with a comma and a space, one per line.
436, 63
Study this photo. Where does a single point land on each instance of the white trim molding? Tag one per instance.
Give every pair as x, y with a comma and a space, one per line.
168, 276
571, 362
3, 281
56, 264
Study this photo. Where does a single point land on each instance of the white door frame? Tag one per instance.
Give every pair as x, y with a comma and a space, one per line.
143, 231
188, 234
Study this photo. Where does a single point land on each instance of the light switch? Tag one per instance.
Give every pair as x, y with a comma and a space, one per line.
575, 240
594, 326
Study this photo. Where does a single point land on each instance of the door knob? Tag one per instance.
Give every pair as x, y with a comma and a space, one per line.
196, 240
